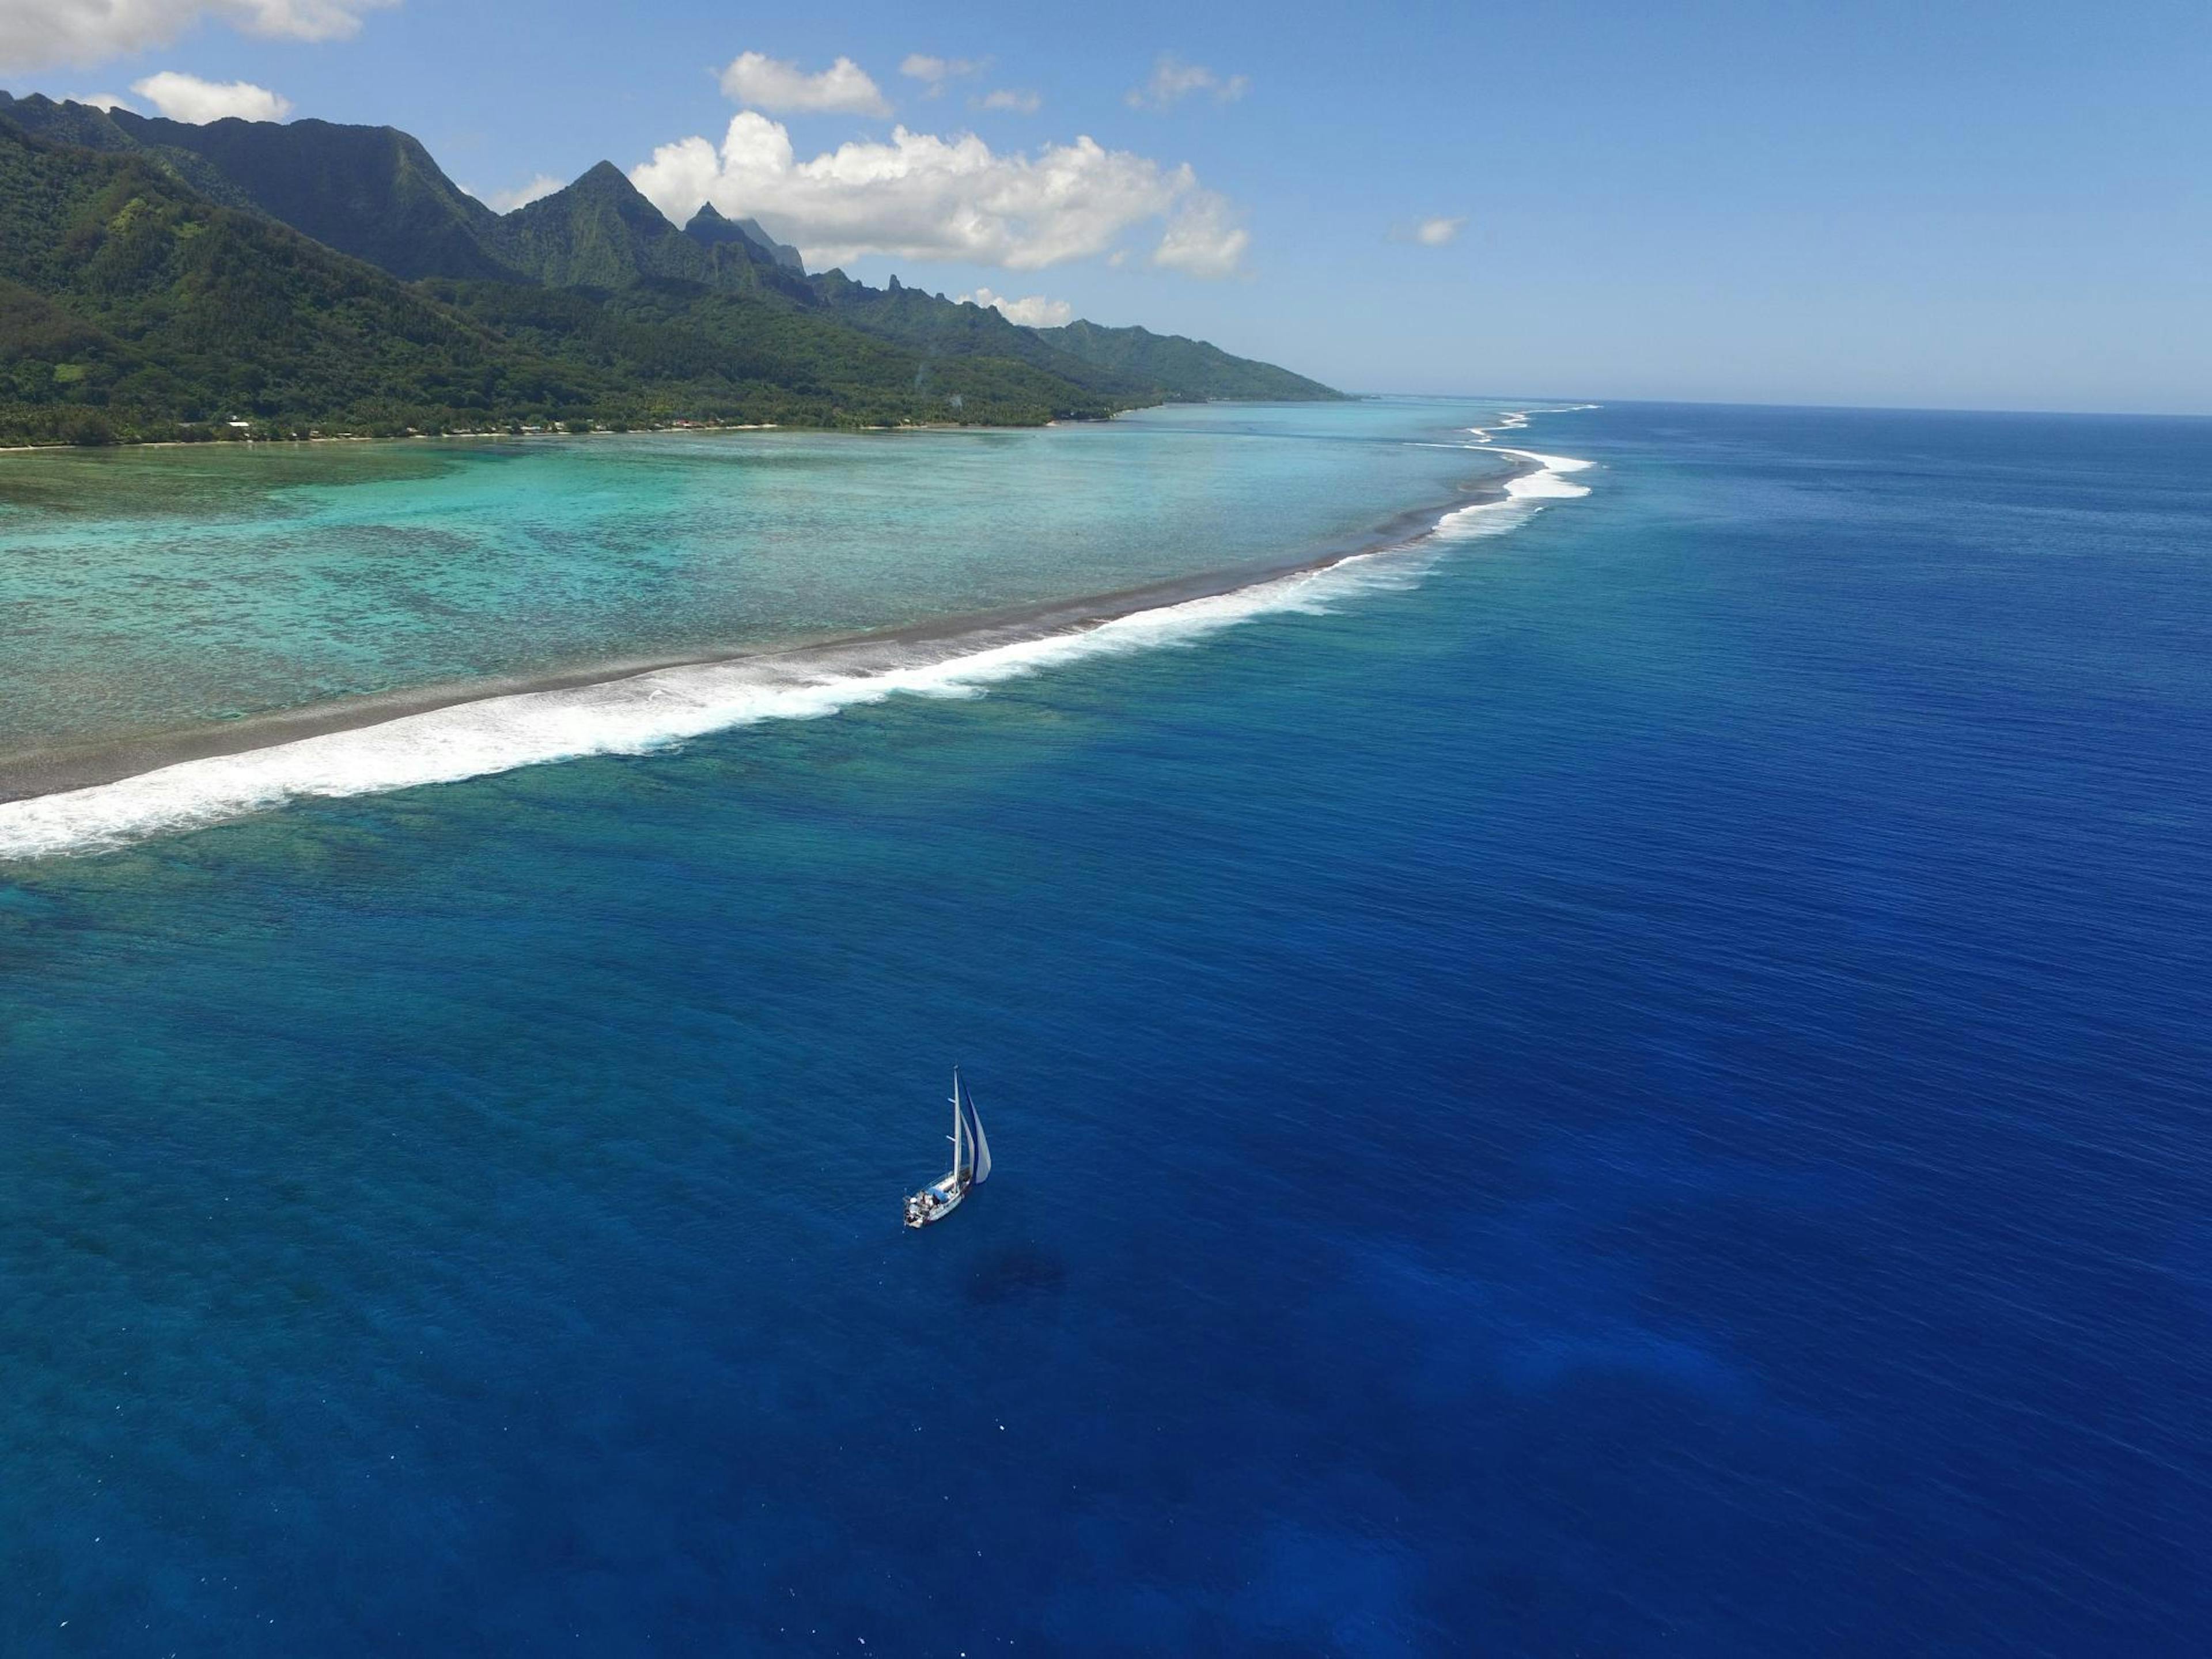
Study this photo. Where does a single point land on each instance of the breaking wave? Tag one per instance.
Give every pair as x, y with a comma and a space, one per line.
639, 713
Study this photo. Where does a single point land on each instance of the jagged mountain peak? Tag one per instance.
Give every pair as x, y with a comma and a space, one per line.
710, 227
604, 175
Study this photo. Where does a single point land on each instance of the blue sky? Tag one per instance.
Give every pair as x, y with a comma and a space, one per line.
1964, 206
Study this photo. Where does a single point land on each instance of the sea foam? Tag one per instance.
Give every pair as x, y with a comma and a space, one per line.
640, 713
632, 715
1545, 484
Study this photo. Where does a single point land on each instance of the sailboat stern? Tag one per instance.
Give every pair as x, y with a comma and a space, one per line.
934, 1203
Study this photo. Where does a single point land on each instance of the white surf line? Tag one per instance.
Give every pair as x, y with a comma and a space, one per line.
1548, 482
1513, 420
1524, 495
641, 713
629, 716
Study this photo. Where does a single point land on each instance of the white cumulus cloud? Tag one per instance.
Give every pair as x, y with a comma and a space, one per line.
921, 196
37, 33
187, 98
1436, 232
934, 72
1031, 311
1173, 81
1006, 98
760, 82
1203, 238
506, 201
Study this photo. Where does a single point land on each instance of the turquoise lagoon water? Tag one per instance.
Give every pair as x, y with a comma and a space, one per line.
1634, 1085
145, 589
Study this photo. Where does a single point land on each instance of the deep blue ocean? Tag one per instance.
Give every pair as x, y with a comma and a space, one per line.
1642, 1093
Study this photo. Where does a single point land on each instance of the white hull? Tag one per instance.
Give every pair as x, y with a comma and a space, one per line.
934, 1203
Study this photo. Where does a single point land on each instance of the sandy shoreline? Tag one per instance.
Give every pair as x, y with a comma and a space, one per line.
53, 771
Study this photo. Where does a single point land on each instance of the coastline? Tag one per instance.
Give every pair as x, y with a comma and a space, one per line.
225, 444
37, 774
62, 447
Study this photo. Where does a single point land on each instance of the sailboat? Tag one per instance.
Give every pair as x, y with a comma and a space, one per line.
971, 1162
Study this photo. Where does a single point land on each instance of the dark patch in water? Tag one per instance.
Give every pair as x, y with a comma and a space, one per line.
1013, 1271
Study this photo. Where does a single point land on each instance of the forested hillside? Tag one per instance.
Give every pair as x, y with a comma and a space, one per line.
161, 280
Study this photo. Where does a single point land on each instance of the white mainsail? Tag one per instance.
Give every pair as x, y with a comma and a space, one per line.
979, 1148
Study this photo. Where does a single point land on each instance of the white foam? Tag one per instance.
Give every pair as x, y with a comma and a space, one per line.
620, 717
1551, 463
1546, 483
646, 712
1513, 420
1468, 523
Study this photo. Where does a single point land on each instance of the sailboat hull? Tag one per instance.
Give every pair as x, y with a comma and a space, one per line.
934, 1203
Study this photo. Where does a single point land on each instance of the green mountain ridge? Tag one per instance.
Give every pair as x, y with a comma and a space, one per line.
941, 328
130, 305
709, 227
1202, 372
586, 305
374, 192
600, 233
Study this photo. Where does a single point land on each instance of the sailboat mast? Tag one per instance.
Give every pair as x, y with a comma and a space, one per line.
956, 1125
